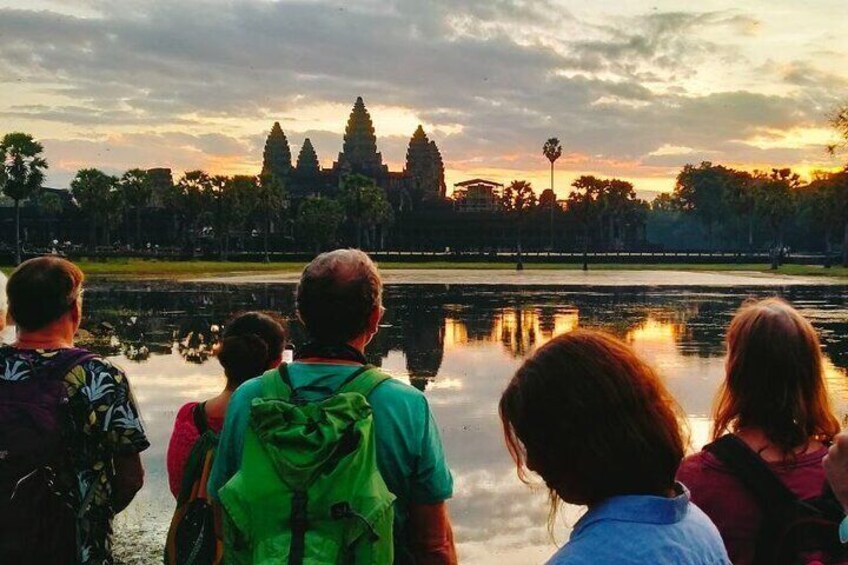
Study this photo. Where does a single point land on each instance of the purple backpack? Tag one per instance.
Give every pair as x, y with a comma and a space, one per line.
37, 516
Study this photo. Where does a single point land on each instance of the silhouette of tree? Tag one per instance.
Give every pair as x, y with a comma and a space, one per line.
271, 200
740, 197
136, 192
775, 202
22, 174
190, 197
700, 190
98, 197
318, 221
366, 205
517, 200
584, 205
553, 151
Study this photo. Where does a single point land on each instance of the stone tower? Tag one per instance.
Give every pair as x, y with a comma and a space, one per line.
276, 159
424, 167
359, 153
307, 160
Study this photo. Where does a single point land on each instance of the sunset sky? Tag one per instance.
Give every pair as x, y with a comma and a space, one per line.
632, 88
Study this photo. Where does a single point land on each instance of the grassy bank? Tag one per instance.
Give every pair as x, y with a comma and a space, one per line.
152, 269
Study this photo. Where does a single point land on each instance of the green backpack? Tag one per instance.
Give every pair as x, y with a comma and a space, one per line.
308, 490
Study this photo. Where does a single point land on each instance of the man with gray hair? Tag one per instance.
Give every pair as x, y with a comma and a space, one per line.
339, 302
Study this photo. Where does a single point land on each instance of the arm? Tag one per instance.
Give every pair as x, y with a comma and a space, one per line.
836, 468
432, 535
129, 478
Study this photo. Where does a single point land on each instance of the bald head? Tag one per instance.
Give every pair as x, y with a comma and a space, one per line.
337, 295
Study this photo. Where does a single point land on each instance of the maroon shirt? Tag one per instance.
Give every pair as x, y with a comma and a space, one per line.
183, 438
729, 504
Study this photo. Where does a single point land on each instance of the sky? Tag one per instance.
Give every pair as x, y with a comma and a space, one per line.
633, 89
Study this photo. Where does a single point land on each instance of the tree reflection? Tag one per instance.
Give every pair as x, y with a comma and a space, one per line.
422, 322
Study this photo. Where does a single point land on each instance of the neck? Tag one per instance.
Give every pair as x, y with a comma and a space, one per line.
359, 343
47, 338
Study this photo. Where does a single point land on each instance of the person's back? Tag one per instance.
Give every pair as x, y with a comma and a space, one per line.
97, 467
774, 402
596, 424
639, 530
339, 303
731, 505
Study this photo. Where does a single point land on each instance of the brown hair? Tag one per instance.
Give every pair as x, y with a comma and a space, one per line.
774, 378
249, 343
593, 420
42, 290
338, 291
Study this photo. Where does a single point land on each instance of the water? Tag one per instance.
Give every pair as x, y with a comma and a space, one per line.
460, 343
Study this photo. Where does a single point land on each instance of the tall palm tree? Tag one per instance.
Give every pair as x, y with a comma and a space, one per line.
23, 174
137, 191
553, 151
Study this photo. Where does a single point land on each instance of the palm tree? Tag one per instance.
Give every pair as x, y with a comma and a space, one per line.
22, 174
137, 191
518, 199
553, 151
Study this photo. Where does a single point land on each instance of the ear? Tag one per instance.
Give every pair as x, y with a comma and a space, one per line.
374, 318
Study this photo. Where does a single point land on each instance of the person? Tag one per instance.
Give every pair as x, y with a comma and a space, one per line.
84, 427
593, 420
774, 405
250, 344
836, 469
7, 334
339, 302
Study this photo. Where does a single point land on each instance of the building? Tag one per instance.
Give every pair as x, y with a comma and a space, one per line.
477, 195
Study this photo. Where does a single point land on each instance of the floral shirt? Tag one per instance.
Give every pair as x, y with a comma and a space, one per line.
104, 422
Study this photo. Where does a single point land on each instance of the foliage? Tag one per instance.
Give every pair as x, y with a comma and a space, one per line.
366, 206
190, 198
98, 197
552, 149
318, 221
23, 166
701, 190
518, 197
136, 188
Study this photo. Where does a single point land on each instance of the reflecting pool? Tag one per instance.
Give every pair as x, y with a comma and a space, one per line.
458, 343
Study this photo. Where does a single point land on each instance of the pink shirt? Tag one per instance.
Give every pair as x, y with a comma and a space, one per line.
729, 504
183, 437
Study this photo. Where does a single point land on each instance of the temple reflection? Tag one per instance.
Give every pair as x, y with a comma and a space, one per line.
425, 323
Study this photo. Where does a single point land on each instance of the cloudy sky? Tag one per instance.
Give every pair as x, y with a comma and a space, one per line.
633, 88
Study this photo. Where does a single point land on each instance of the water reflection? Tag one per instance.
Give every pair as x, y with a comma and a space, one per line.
458, 343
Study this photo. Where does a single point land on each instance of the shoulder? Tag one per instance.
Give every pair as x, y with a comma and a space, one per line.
398, 391
699, 467
186, 413
247, 391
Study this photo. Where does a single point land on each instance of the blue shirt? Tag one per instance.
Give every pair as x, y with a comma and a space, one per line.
641, 529
409, 449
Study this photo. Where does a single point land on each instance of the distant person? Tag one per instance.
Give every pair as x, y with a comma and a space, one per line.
596, 423
250, 344
70, 431
772, 422
339, 302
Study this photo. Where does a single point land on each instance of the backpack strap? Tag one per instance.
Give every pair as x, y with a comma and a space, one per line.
201, 421
364, 381
64, 361
773, 497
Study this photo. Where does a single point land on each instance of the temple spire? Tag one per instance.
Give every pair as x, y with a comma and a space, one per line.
359, 152
307, 159
424, 167
276, 158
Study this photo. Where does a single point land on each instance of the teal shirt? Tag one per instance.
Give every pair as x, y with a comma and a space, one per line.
409, 449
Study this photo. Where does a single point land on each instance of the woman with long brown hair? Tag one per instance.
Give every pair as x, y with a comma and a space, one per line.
773, 405
591, 418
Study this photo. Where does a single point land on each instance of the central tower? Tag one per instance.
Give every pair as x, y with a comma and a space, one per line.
359, 153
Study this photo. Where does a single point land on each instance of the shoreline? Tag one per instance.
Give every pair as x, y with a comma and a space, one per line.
229, 272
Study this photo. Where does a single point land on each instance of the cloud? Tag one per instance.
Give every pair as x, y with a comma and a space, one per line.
489, 78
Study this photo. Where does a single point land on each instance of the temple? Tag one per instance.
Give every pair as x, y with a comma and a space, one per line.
422, 181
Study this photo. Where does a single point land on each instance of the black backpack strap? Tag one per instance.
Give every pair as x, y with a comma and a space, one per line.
773, 497
64, 361
200, 419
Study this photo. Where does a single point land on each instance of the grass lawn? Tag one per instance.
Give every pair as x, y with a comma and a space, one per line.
153, 269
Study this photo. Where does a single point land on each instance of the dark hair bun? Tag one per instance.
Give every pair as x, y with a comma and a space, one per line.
250, 343
243, 357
